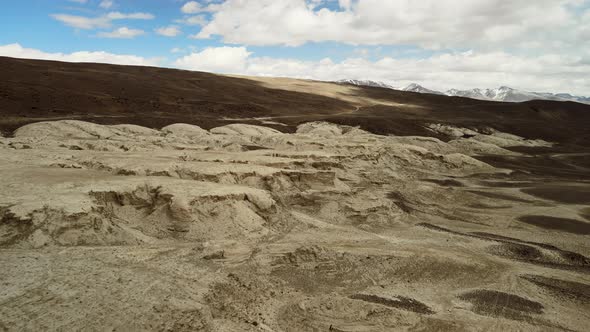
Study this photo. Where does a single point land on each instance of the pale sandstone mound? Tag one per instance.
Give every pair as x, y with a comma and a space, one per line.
184, 130
488, 136
135, 130
476, 147
244, 129
508, 140
252, 175
320, 129
459, 160
65, 129
88, 208
432, 144
330, 228
79, 135
326, 129
451, 130
91, 184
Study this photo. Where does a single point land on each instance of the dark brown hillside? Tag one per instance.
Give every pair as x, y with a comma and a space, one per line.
34, 90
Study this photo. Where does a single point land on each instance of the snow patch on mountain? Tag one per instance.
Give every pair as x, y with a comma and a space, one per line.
508, 94
503, 93
420, 89
367, 83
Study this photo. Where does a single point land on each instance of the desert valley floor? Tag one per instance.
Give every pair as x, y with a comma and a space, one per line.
372, 214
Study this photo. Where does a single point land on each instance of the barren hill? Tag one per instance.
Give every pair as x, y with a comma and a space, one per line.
33, 90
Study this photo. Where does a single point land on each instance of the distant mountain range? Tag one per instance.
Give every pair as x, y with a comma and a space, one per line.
368, 83
503, 93
420, 89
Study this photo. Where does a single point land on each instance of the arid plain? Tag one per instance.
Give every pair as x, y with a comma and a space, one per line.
285, 205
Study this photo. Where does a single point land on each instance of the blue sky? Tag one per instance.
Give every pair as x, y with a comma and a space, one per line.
51, 35
440, 44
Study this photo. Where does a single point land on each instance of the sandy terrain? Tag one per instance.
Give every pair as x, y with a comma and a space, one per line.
330, 228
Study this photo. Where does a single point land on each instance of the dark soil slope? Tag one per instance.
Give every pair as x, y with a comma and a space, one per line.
34, 90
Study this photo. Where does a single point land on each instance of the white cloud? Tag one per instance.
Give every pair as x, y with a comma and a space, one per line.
432, 24
106, 4
131, 16
91, 23
345, 4
122, 33
217, 59
81, 22
194, 7
542, 73
191, 7
17, 51
193, 20
169, 31
552, 73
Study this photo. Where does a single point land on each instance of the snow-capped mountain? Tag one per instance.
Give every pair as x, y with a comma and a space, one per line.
473, 93
503, 93
567, 96
367, 83
508, 94
420, 89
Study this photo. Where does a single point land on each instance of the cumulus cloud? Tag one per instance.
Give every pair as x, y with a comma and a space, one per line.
131, 16
428, 23
345, 4
91, 23
17, 51
450, 70
106, 4
193, 20
194, 7
169, 31
81, 22
191, 7
122, 33
217, 59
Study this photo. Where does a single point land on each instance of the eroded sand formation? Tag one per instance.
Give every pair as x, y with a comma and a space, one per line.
243, 227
